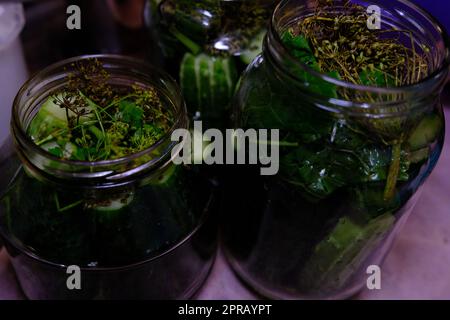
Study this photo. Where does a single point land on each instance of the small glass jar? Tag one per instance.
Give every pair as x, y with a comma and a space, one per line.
137, 227
351, 170
206, 45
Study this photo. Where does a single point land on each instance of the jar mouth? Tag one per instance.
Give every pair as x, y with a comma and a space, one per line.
437, 75
135, 70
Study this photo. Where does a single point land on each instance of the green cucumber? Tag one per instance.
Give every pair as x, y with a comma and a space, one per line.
65, 151
188, 80
226, 78
339, 256
254, 48
51, 118
206, 78
207, 83
419, 155
118, 202
426, 132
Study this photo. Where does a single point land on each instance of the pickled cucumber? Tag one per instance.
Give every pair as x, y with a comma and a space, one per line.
335, 259
51, 118
207, 83
426, 132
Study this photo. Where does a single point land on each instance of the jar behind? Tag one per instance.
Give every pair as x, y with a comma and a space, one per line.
206, 45
312, 230
138, 227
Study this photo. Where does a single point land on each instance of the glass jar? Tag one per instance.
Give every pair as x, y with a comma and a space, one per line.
137, 227
206, 44
350, 171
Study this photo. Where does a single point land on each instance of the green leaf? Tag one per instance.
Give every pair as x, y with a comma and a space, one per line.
296, 42
145, 137
376, 162
80, 154
300, 48
318, 177
376, 78
56, 151
315, 174
272, 108
131, 114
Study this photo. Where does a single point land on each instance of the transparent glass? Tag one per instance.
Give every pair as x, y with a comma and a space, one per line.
138, 227
206, 44
351, 169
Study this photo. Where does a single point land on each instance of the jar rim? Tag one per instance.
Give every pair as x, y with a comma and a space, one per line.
443, 68
180, 115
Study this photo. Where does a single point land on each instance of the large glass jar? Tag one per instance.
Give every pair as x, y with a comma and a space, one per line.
206, 44
350, 168
137, 227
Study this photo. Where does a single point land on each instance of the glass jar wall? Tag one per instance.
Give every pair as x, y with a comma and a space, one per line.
137, 226
352, 161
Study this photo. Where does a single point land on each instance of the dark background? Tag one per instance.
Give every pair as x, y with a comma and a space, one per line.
439, 8
46, 38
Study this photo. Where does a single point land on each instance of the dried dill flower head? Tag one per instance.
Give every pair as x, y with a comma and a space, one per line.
92, 79
341, 41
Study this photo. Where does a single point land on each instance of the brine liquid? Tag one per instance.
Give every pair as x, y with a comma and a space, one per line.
65, 226
160, 245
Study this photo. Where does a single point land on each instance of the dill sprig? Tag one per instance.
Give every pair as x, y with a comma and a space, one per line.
341, 40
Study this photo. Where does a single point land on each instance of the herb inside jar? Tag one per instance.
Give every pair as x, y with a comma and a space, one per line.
341, 46
95, 214
91, 120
